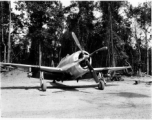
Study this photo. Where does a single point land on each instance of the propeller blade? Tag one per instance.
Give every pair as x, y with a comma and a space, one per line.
93, 72
77, 41
100, 49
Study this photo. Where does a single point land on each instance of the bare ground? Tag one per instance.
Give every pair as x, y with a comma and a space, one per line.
21, 98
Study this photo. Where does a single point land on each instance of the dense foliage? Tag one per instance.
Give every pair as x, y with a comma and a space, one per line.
48, 24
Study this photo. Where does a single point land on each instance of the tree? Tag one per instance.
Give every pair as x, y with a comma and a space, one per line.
141, 26
114, 30
4, 31
45, 24
9, 35
144, 19
80, 20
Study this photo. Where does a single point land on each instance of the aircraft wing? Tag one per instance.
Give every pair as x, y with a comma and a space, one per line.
42, 68
111, 68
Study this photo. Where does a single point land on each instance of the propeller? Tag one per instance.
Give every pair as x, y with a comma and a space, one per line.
86, 58
100, 49
77, 41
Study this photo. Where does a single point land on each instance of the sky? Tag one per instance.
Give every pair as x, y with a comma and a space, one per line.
136, 2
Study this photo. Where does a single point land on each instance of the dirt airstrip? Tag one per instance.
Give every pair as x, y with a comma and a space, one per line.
22, 98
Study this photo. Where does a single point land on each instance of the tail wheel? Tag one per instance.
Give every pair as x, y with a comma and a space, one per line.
101, 85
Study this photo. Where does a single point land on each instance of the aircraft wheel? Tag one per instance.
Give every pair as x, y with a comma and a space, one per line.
101, 85
136, 82
43, 87
54, 81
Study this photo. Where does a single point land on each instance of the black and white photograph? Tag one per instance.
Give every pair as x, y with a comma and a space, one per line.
63, 59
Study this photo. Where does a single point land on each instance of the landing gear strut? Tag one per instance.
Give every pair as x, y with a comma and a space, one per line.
42, 82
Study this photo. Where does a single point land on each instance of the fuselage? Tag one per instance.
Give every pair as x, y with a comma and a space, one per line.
73, 66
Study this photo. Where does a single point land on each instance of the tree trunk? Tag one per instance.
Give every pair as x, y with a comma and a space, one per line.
151, 61
151, 38
139, 52
111, 41
40, 54
3, 33
147, 52
9, 35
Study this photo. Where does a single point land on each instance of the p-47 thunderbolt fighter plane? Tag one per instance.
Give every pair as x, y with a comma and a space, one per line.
73, 67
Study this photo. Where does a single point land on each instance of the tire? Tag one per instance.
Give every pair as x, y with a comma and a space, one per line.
43, 87
136, 82
101, 85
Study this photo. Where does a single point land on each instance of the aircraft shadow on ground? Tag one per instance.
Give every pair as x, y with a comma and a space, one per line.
130, 95
52, 86
20, 87
58, 86
38, 88
108, 85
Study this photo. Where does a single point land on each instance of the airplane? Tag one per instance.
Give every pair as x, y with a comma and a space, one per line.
72, 67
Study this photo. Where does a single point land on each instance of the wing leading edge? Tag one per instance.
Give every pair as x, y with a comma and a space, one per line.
42, 68
111, 68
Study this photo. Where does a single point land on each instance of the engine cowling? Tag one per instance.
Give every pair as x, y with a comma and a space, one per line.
78, 69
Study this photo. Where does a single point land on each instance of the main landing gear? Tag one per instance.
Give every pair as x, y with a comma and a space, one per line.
102, 82
42, 82
101, 85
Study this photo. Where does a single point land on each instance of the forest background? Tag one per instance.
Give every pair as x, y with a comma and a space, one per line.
42, 29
